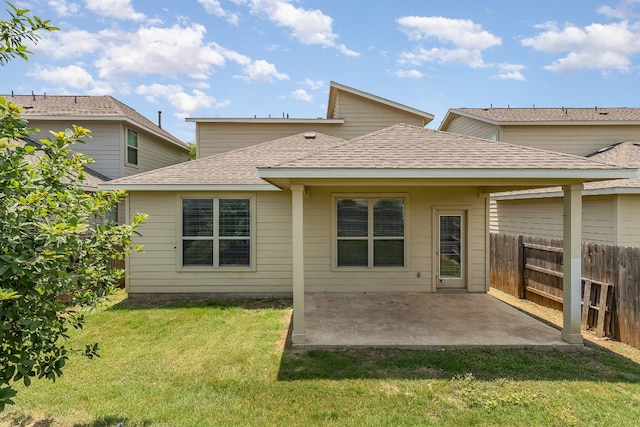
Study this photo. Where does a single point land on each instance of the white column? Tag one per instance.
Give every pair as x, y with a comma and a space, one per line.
572, 264
297, 214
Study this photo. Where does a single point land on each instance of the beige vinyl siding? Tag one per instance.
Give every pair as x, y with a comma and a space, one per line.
629, 220
103, 146
578, 140
322, 276
361, 116
153, 152
466, 126
543, 218
214, 138
158, 270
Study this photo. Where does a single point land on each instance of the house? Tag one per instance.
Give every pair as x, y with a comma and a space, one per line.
123, 142
399, 209
610, 210
350, 113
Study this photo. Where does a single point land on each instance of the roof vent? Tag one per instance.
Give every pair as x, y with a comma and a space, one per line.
310, 135
603, 113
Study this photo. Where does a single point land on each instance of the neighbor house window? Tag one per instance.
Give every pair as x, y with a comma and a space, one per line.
132, 147
370, 232
216, 232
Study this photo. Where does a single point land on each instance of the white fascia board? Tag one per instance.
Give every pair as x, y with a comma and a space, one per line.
551, 194
265, 120
337, 173
188, 187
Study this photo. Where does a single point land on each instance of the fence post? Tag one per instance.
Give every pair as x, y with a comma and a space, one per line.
520, 261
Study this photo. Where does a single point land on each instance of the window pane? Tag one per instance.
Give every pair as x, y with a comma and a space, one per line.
132, 156
197, 217
388, 217
353, 253
352, 217
197, 252
450, 246
234, 217
388, 253
132, 138
235, 252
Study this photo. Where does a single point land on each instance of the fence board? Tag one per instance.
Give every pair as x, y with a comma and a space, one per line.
519, 265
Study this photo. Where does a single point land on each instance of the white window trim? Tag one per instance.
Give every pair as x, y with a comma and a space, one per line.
252, 234
127, 146
370, 239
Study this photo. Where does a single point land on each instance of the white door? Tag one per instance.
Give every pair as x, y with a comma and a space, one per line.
450, 262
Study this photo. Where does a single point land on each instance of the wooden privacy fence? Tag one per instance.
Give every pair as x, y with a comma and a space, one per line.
531, 267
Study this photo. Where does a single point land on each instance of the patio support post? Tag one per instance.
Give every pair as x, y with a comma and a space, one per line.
297, 214
572, 264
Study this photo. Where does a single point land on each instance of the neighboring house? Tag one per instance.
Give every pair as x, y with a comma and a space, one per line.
399, 209
350, 113
610, 210
122, 143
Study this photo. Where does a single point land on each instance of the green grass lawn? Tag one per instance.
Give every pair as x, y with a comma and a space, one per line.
224, 363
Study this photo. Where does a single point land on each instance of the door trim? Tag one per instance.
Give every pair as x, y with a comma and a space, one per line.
453, 284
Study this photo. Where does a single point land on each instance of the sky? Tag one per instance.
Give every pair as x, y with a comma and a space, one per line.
261, 58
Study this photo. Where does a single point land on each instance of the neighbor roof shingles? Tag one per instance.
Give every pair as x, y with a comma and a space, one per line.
54, 106
537, 115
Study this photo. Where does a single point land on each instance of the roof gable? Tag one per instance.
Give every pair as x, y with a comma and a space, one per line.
336, 88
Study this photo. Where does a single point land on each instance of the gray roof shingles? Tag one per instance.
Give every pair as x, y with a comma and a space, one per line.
397, 147
542, 115
55, 106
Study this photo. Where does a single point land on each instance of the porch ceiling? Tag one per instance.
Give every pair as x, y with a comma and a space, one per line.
421, 320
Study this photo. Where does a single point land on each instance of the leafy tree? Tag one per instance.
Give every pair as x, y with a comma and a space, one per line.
54, 257
17, 30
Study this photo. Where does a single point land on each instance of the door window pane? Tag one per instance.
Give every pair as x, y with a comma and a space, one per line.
450, 246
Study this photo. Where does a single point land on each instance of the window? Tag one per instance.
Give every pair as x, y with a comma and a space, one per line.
216, 232
132, 147
370, 232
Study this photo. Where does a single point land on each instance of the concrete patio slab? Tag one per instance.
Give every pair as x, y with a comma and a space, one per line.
422, 320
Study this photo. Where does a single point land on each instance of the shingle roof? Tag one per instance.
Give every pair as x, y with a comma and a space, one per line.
96, 107
543, 115
405, 146
238, 167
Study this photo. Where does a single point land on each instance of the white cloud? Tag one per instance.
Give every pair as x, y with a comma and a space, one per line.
213, 7
602, 47
182, 101
262, 71
467, 38
510, 72
409, 74
154, 50
301, 95
119, 9
63, 7
625, 10
68, 44
310, 27
312, 84
71, 76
